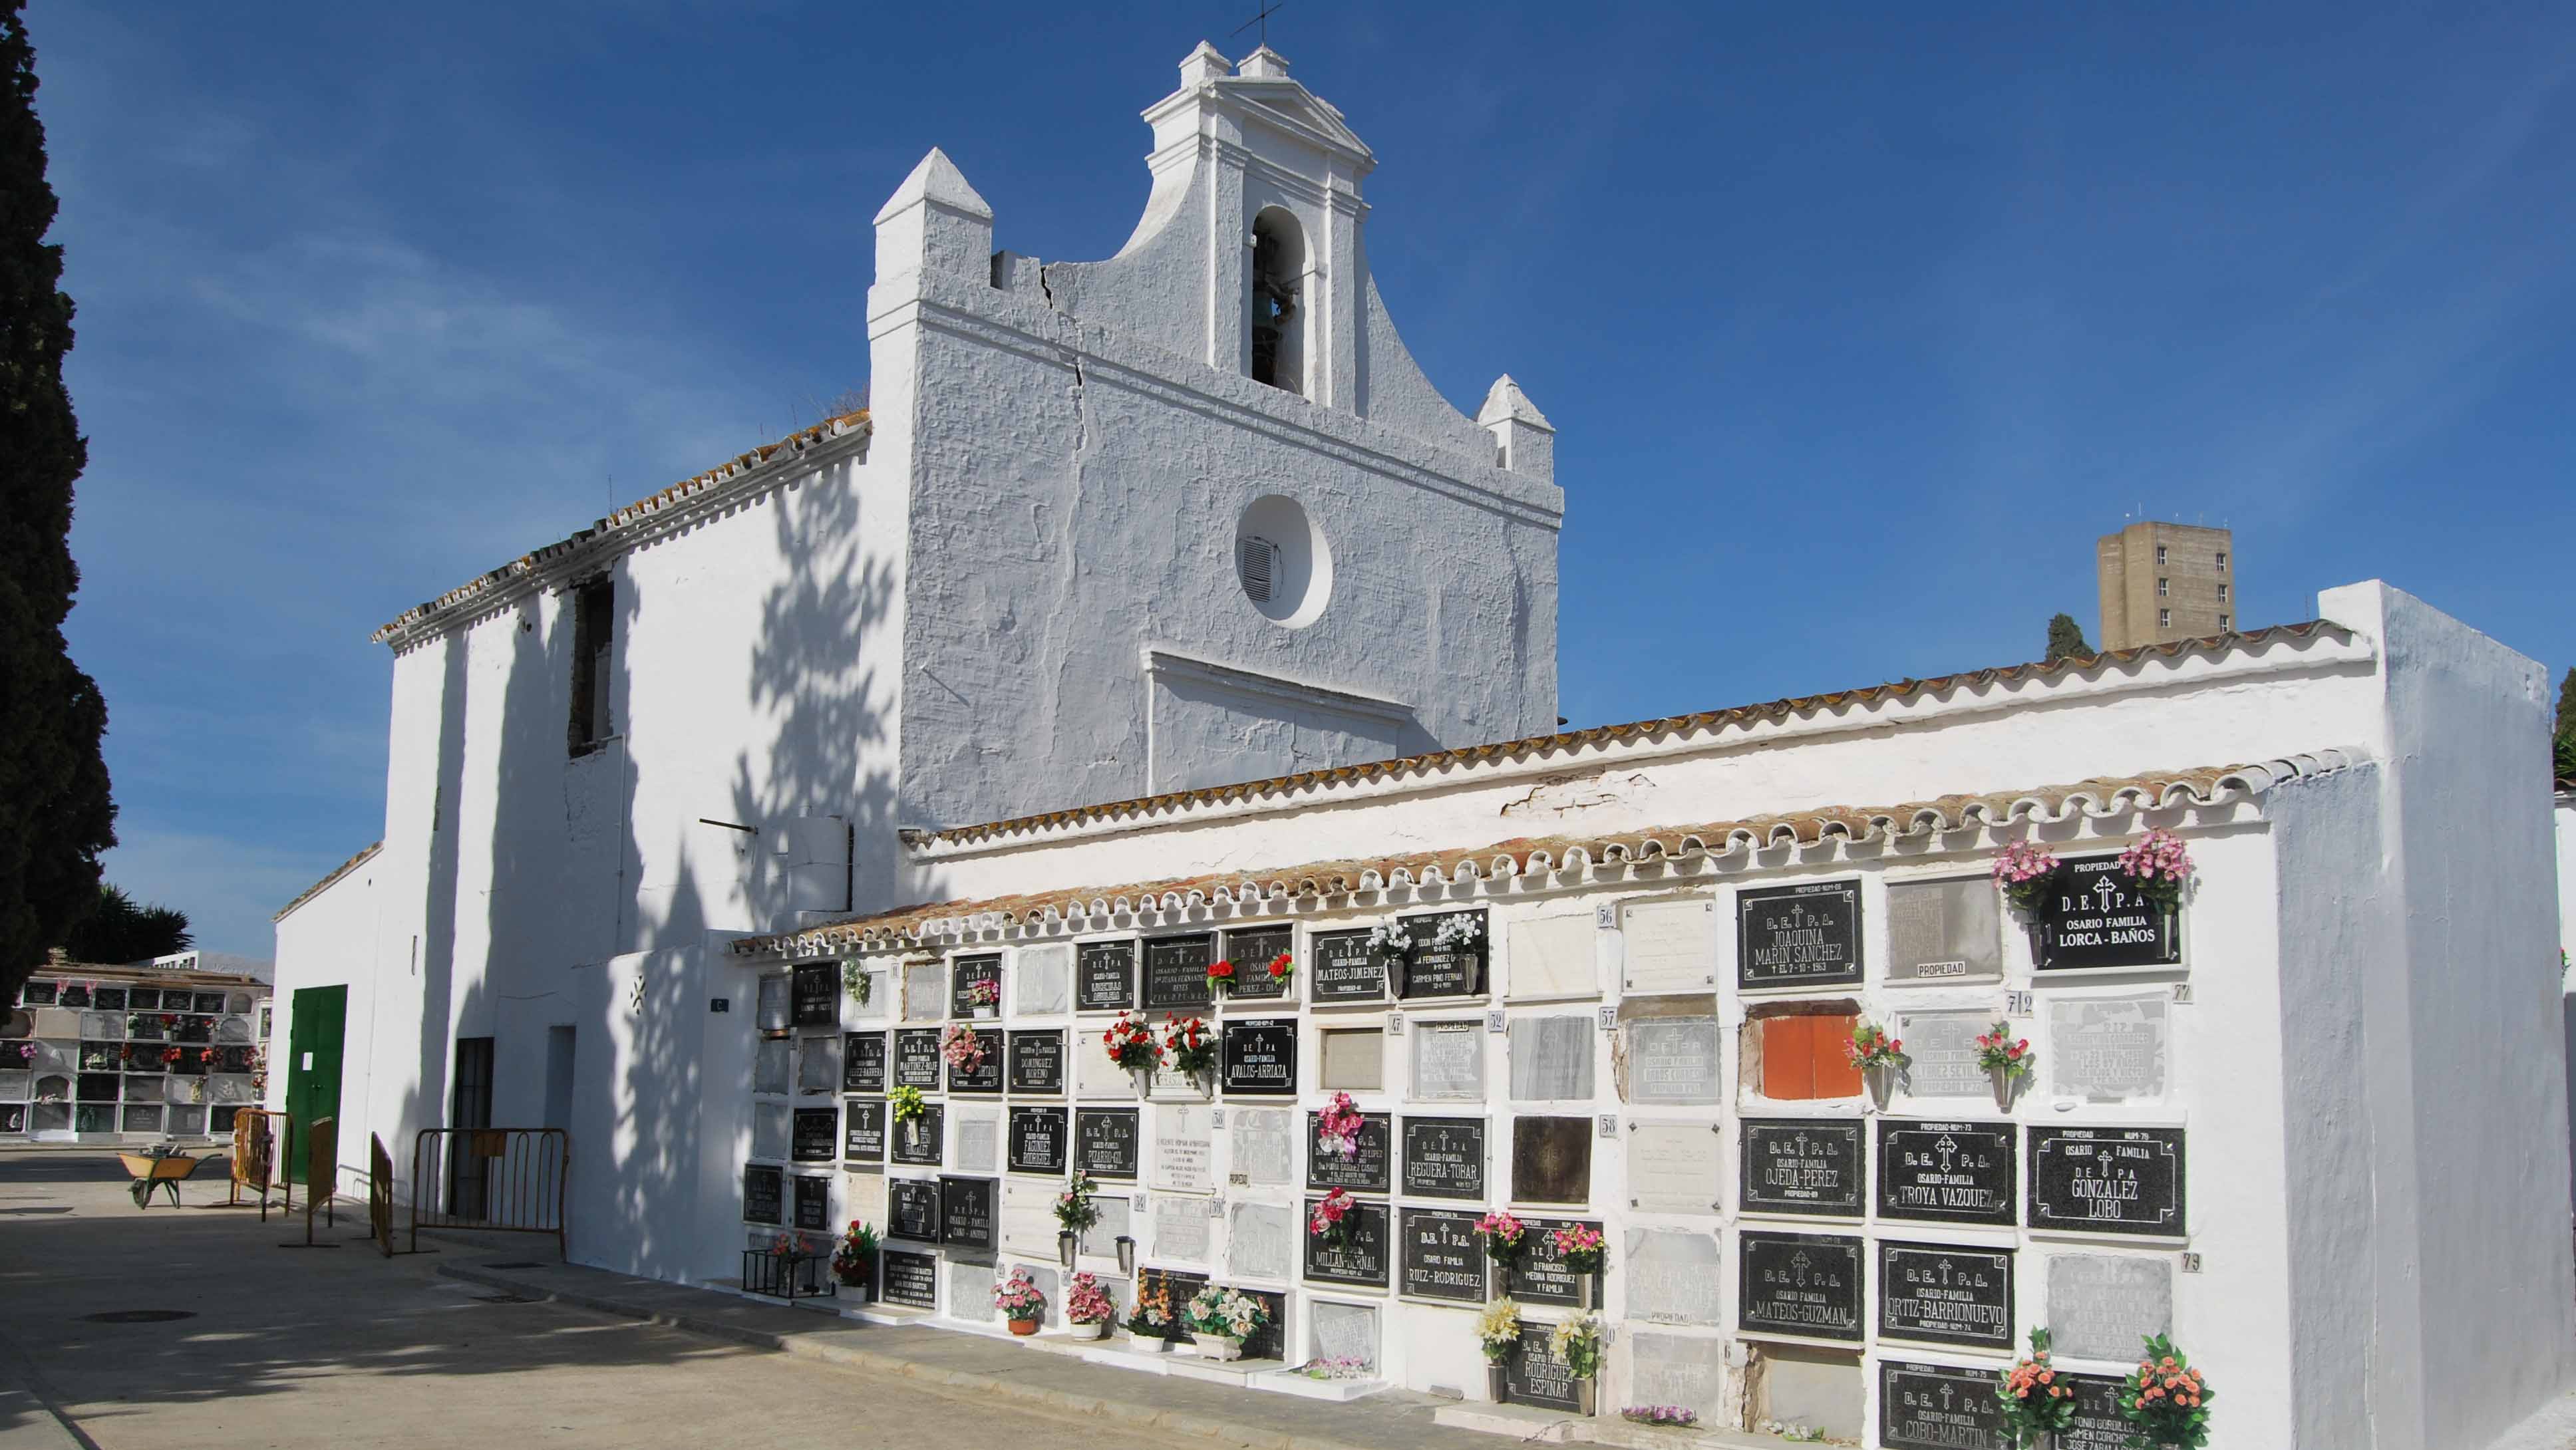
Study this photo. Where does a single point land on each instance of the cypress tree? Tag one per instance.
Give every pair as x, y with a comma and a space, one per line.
55, 815
2066, 640
2563, 755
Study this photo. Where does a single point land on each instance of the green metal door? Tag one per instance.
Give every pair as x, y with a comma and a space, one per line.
315, 1025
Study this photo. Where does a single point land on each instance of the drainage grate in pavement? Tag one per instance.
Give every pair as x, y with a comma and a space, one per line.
503, 1299
517, 1264
140, 1316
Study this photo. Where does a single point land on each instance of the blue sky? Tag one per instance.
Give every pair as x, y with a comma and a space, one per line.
1858, 322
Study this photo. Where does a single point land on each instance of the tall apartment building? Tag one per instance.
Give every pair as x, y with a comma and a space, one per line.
2165, 581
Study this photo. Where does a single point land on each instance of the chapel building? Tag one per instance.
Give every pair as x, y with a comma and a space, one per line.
1160, 643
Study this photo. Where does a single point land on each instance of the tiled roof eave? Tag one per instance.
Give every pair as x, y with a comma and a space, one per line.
2100, 798
1145, 810
673, 506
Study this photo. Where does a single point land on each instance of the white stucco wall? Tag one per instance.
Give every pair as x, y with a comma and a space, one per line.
1079, 453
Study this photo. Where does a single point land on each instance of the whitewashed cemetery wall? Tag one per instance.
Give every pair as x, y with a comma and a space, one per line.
1602, 1060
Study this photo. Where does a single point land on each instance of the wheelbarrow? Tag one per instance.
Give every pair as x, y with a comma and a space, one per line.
157, 1169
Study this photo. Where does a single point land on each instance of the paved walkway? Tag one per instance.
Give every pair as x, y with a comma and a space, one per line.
993, 1369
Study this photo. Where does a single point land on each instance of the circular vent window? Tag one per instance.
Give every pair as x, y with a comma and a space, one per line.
1282, 562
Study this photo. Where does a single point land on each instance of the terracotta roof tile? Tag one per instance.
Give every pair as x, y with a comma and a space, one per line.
1636, 730
641, 511
1527, 855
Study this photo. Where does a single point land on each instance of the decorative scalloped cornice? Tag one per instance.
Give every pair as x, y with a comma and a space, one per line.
1091, 908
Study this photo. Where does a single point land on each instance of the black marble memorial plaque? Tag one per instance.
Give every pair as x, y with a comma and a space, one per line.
816, 1135
910, 1279
912, 1209
1946, 1172
2107, 1180
863, 1130
916, 1058
1444, 1157
985, 1076
1341, 968
1176, 973
1105, 976
1037, 1063
2097, 1424
1259, 1057
813, 1203
917, 1138
1105, 1142
969, 1211
815, 995
1802, 1166
1361, 1260
1252, 952
1539, 1274
1037, 1140
764, 1194
1938, 1407
966, 975
1370, 1170
863, 1062
13, 1117
1551, 1160
1946, 1294
1798, 936
1804, 1284
1533, 1375
1443, 1256
1433, 970
2090, 916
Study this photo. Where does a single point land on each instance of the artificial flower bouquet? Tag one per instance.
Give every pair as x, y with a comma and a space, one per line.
1282, 967
2022, 874
856, 1255
2165, 1398
1075, 1211
1151, 1315
1498, 1329
1217, 1312
1870, 1046
1577, 1341
1999, 1051
1675, 1416
1581, 1246
2158, 867
1085, 1302
1019, 1300
2038, 1398
1458, 933
906, 1104
983, 992
1191, 1045
1502, 1235
1330, 1220
1220, 976
1390, 942
961, 1047
1338, 1127
1131, 1044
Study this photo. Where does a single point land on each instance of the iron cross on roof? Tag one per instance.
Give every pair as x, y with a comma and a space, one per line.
1262, 19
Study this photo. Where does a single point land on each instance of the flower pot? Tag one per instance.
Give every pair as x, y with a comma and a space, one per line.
1024, 1327
1143, 1077
1586, 1289
1064, 1244
1217, 1346
1881, 1079
1088, 1331
982, 1014
1497, 1384
1584, 1390
1126, 1254
2002, 1078
1147, 1343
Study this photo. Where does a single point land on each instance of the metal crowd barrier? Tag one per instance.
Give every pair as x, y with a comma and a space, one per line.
502, 1180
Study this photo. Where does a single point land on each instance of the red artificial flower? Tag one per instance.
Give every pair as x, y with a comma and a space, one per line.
1221, 969
1280, 965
